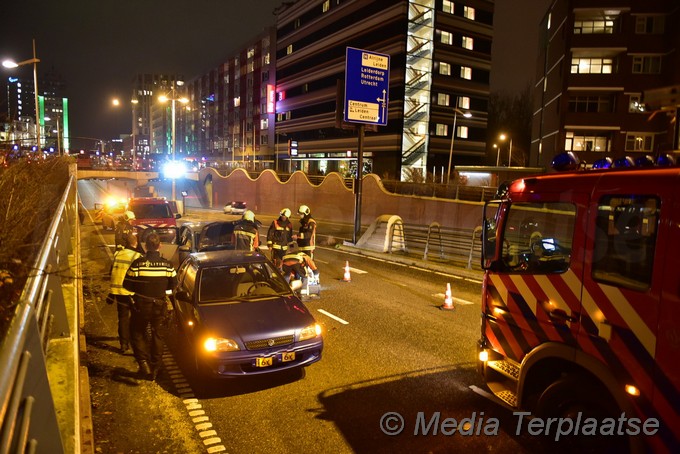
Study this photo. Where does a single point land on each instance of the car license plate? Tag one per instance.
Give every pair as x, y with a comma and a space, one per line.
264, 362
287, 356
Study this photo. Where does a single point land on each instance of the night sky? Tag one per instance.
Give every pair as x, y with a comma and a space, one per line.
98, 46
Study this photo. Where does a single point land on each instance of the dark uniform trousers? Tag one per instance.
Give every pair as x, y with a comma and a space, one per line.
123, 305
147, 312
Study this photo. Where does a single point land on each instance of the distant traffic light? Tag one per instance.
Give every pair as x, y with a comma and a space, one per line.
292, 147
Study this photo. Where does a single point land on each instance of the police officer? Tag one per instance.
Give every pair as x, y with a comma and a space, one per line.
151, 277
246, 235
279, 235
122, 259
306, 238
295, 264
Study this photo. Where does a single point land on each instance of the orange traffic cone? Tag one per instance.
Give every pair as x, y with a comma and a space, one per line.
448, 299
346, 277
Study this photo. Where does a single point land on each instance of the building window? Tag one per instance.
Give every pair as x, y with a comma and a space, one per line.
251, 52
266, 59
444, 69
447, 6
589, 104
443, 99
326, 6
447, 38
650, 64
638, 141
462, 132
442, 130
635, 104
582, 142
467, 43
264, 124
265, 76
625, 240
592, 65
289, 49
586, 27
466, 72
464, 102
469, 12
237, 101
264, 140
649, 25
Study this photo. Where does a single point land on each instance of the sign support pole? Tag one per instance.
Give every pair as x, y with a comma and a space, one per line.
357, 185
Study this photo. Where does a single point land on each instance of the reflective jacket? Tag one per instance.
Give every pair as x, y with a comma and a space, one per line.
307, 234
280, 233
246, 236
300, 258
122, 259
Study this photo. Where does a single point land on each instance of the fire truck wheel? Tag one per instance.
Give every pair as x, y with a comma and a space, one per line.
574, 394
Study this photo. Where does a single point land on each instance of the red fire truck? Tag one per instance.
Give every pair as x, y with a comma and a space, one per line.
581, 301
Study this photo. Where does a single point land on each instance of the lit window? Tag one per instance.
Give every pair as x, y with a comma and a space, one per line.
635, 104
464, 102
585, 27
467, 43
639, 141
444, 69
326, 6
237, 101
466, 72
289, 49
592, 65
264, 123
447, 6
251, 53
469, 12
265, 59
446, 38
443, 99
441, 130
462, 132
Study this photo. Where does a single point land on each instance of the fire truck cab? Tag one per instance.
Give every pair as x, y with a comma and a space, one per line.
581, 297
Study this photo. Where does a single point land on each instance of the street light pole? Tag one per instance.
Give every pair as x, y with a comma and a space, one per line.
456, 111
174, 99
173, 142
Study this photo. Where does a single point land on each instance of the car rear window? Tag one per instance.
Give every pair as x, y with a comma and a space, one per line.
152, 211
238, 204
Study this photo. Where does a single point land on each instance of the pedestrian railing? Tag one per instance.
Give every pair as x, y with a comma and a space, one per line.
27, 410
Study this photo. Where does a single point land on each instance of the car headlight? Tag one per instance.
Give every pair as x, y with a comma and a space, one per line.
310, 332
219, 344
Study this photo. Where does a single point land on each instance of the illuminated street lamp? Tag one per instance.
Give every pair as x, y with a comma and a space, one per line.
34, 61
173, 97
456, 111
116, 103
503, 137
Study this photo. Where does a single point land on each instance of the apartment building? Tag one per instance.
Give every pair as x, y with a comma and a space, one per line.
440, 58
597, 60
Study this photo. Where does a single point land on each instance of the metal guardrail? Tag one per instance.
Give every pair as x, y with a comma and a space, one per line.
27, 408
458, 246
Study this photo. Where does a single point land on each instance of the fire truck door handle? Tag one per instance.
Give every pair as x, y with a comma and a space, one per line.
560, 316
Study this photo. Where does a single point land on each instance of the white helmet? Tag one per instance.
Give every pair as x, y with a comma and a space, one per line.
129, 216
285, 212
304, 210
249, 216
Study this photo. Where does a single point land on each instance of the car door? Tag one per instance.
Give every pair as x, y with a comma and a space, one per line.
184, 293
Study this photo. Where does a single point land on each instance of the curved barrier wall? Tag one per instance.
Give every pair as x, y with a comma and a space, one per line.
331, 200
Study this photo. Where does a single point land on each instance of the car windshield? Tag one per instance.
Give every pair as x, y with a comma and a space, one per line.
152, 211
216, 236
238, 282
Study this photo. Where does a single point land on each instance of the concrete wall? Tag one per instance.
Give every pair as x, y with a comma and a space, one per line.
329, 201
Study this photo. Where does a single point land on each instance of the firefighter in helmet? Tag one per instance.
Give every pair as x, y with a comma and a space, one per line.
246, 235
279, 235
306, 238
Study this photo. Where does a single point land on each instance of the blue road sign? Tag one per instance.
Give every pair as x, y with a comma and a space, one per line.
367, 76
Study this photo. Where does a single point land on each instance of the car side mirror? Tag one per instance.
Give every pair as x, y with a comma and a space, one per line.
177, 215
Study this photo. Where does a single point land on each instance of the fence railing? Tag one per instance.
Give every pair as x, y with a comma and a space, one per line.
27, 407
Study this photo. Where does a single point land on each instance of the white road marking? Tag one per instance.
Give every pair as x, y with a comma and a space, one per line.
455, 300
334, 317
356, 270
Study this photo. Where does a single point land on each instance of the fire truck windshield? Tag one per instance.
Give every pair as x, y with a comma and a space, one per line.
536, 237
